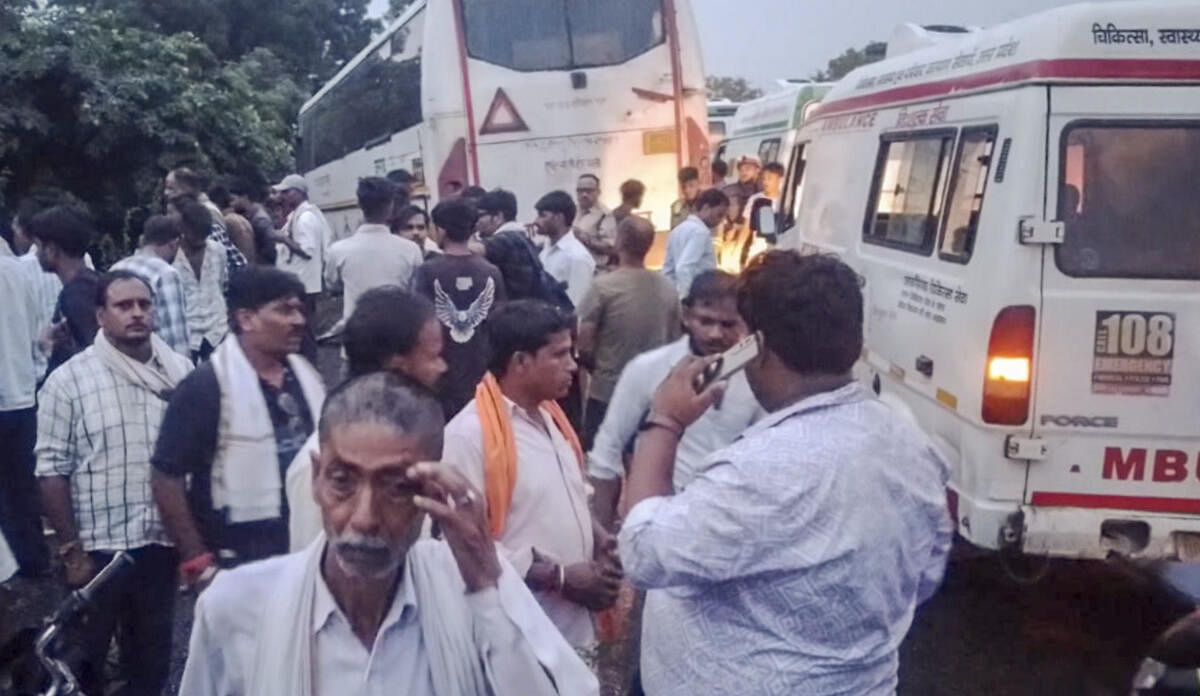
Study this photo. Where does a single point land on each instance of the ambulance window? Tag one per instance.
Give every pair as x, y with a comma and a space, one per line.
1128, 198
768, 150
968, 184
910, 177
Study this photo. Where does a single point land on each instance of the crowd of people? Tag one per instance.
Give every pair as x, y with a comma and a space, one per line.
525, 457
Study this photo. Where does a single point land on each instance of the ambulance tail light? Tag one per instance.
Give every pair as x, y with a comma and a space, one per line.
1006, 382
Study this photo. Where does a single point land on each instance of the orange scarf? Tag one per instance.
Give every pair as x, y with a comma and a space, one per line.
500, 448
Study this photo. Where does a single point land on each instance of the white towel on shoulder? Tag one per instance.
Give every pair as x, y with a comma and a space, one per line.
246, 482
284, 662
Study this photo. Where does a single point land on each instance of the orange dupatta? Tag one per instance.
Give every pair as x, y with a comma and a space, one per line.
500, 449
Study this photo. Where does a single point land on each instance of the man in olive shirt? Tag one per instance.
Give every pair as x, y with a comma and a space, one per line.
625, 312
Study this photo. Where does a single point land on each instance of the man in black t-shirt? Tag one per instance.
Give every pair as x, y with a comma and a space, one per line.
62, 234
464, 289
234, 425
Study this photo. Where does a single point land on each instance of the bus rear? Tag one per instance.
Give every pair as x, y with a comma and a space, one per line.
529, 94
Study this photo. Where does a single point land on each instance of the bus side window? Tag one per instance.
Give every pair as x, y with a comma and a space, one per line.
967, 187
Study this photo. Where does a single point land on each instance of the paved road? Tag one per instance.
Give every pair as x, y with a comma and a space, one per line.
1078, 632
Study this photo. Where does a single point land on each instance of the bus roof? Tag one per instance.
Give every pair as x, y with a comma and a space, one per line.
776, 111
359, 57
1140, 40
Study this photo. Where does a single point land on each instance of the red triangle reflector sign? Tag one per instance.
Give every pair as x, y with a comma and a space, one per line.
502, 116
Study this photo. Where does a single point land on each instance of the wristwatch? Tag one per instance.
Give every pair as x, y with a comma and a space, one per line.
658, 420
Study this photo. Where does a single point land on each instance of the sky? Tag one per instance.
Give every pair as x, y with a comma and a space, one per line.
763, 40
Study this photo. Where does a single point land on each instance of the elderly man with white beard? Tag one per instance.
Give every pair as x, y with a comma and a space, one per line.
368, 609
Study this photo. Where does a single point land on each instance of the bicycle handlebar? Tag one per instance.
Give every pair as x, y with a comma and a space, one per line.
62, 681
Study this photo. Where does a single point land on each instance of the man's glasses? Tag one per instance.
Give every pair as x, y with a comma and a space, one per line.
413, 227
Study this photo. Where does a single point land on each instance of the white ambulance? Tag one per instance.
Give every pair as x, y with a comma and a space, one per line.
1023, 205
766, 127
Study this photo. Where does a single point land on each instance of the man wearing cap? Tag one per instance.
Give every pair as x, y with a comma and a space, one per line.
304, 239
748, 168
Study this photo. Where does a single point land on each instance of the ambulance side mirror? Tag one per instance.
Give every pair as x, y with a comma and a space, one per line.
762, 219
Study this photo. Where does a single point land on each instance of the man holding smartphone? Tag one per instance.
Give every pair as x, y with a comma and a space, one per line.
712, 326
796, 557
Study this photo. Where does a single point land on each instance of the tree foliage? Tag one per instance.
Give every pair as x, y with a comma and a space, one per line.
313, 38
851, 58
396, 8
101, 109
735, 89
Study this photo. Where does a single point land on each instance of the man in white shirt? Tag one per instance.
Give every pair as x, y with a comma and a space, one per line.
595, 226
20, 514
713, 325
47, 286
201, 265
690, 245
564, 256
368, 609
305, 237
372, 256
514, 443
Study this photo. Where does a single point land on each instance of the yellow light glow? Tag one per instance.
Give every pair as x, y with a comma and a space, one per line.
1008, 369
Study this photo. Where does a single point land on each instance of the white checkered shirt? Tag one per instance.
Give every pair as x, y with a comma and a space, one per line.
207, 317
170, 307
98, 429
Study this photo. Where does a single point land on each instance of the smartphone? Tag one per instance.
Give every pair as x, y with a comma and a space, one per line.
730, 362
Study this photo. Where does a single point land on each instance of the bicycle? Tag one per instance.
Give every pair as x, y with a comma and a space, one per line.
62, 680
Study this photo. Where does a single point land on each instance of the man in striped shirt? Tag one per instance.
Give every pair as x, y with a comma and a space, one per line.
160, 244
98, 418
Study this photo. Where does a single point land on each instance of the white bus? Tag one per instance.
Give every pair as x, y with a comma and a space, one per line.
520, 94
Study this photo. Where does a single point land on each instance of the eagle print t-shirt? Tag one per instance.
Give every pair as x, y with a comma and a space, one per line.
464, 290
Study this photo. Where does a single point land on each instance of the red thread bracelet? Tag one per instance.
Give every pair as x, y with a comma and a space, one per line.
193, 568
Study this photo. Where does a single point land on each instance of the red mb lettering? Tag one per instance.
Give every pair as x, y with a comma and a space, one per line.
1170, 466
1116, 464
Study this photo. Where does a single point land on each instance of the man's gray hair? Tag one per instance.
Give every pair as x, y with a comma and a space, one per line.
383, 398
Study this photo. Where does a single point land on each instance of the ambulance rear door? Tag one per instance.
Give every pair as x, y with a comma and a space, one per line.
1117, 373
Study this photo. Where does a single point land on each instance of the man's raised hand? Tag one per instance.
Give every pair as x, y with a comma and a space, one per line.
451, 500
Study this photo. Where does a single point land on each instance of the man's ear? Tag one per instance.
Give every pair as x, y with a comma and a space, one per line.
316, 471
235, 319
396, 364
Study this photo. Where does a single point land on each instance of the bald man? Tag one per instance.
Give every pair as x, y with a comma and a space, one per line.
624, 313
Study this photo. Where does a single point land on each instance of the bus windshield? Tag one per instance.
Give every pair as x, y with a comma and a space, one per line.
561, 34
1127, 198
